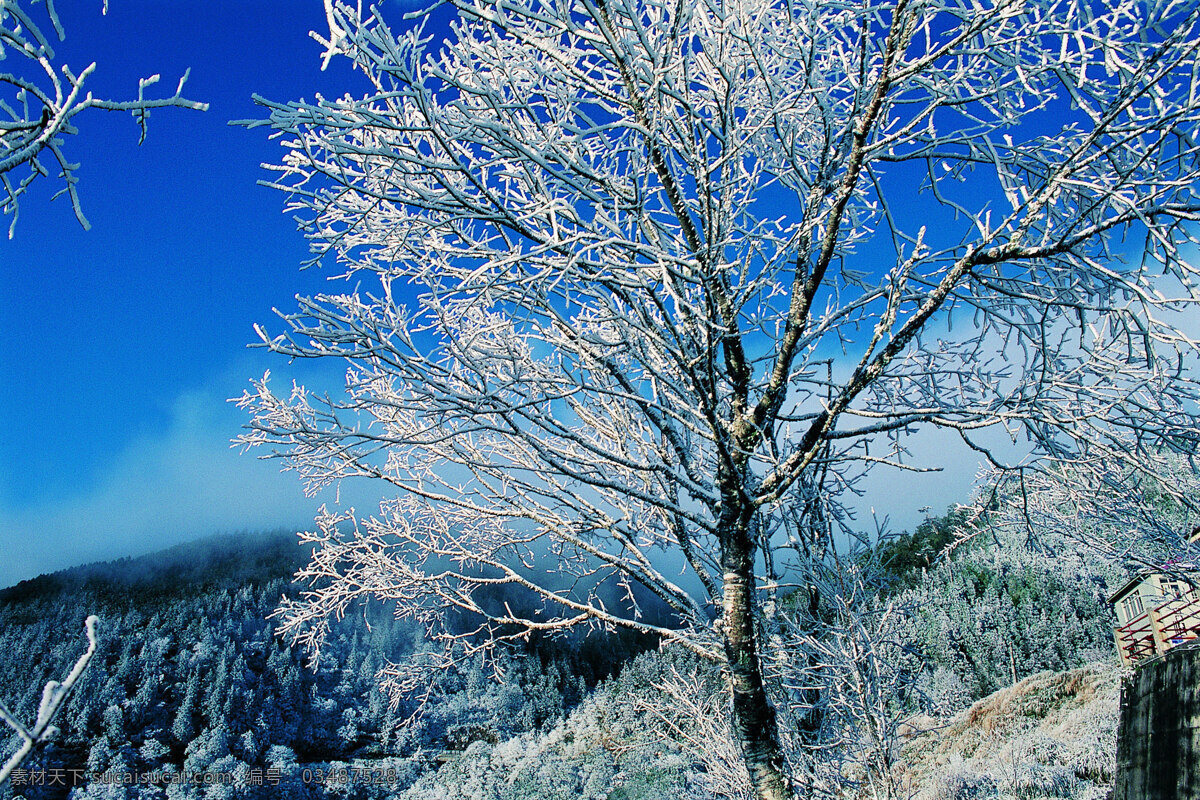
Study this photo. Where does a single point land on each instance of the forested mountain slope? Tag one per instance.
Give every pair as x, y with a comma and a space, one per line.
190, 678
192, 694
996, 610
224, 561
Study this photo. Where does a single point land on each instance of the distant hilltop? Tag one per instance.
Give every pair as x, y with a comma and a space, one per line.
230, 558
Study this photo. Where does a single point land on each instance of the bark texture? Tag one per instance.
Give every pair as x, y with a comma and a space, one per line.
755, 726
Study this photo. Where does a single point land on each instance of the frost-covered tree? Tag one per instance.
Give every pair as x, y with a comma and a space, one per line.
1131, 514
650, 284
40, 97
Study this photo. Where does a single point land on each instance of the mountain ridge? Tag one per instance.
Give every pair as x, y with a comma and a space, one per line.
236, 558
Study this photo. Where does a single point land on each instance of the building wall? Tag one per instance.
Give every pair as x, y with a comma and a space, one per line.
1158, 741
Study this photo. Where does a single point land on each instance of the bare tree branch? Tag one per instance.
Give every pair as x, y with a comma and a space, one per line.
41, 99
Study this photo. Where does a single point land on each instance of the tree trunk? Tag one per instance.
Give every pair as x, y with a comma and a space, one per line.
755, 726
808, 721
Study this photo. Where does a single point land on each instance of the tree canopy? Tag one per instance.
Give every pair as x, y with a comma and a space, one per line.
652, 285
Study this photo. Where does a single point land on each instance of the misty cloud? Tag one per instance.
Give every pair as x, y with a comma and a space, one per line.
158, 491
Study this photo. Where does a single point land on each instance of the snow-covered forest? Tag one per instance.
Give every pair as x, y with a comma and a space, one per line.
190, 678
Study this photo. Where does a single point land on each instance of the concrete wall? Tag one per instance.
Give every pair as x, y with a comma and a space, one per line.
1158, 741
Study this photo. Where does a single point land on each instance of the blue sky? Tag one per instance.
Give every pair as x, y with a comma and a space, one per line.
119, 346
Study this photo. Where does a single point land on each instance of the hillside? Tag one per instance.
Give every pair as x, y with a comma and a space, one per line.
232, 559
1050, 735
191, 680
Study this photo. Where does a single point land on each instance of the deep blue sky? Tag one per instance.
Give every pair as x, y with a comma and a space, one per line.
119, 346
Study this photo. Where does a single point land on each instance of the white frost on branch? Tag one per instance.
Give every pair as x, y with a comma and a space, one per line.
39, 99
53, 696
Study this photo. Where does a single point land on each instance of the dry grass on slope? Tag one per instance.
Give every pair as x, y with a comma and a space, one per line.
1052, 735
